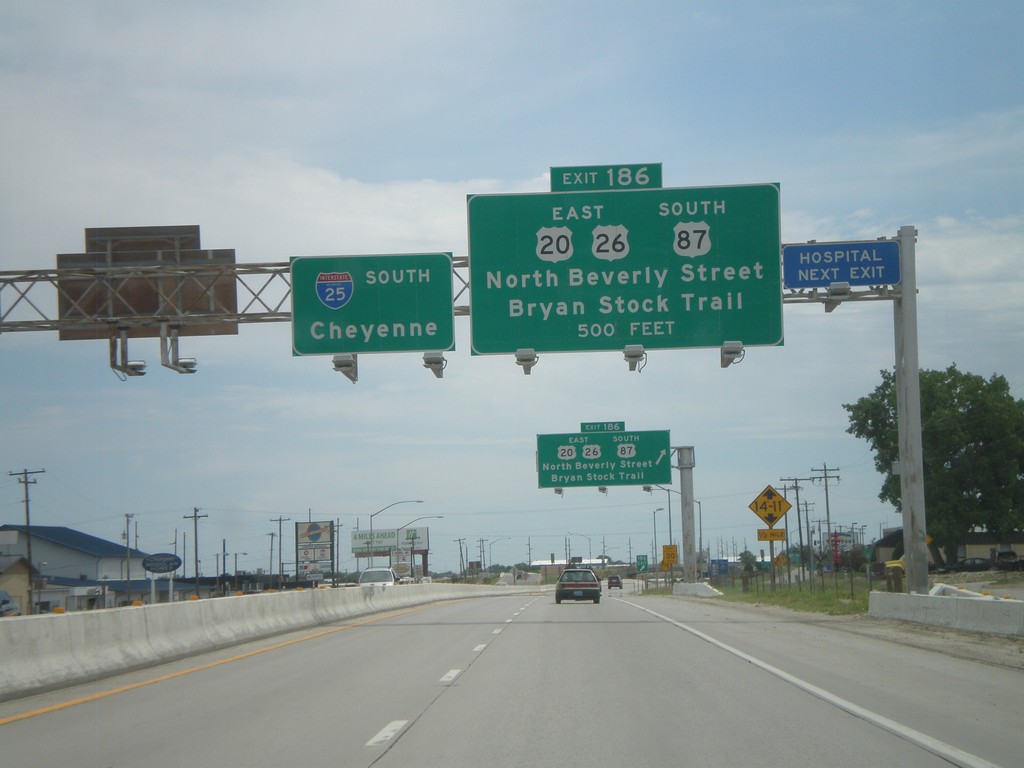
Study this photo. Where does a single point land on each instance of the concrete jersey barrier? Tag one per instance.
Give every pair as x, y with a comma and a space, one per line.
951, 609
52, 651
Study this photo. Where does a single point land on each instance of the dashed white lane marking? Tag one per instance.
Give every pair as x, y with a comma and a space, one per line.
479, 647
450, 675
508, 621
497, 631
387, 733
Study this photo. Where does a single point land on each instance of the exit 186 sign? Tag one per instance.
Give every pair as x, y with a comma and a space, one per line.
354, 304
600, 270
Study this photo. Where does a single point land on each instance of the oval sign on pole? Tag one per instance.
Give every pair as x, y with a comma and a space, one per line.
162, 562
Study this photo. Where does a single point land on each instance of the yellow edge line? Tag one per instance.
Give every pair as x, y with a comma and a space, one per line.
200, 668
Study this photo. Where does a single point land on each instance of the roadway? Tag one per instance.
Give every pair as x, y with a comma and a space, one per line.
520, 681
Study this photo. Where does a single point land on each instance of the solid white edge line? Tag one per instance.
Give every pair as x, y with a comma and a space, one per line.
387, 733
940, 748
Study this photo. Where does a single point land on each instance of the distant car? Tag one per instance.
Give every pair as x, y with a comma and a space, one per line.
7, 605
578, 584
614, 581
971, 565
1008, 561
378, 577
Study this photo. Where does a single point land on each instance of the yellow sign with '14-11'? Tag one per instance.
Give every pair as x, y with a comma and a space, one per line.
770, 506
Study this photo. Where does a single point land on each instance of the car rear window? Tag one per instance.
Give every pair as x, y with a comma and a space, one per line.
578, 576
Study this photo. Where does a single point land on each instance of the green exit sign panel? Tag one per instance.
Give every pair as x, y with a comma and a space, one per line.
603, 458
591, 271
362, 304
603, 426
578, 178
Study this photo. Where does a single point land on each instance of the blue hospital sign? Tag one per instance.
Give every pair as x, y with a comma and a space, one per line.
334, 289
818, 265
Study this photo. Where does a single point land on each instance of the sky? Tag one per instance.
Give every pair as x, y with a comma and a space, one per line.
357, 128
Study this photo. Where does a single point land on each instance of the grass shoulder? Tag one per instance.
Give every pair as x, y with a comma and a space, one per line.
839, 595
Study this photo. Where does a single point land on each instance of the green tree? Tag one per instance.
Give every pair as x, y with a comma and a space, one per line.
748, 560
972, 446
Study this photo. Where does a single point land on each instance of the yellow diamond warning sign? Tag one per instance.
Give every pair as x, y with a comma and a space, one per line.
770, 505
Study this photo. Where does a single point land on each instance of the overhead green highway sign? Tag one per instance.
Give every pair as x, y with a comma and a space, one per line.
600, 270
356, 304
603, 458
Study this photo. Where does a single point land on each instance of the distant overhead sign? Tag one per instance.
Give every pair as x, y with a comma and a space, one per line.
603, 458
589, 271
355, 304
818, 265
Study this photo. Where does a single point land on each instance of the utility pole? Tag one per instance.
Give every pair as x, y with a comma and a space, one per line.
128, 557
796, 487
789, 570
826, 475
280, 555
270, 568
462, 562
194, 517
28, 526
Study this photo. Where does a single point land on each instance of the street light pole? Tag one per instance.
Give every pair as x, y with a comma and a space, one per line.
389, 506
412, 549
490, 548
655, 553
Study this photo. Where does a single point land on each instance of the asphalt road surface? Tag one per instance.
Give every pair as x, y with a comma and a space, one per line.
521, 681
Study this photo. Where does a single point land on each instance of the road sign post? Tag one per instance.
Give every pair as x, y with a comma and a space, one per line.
770, 506
590, 271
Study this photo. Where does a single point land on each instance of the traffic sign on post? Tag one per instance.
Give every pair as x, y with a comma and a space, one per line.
770, 506
356, 304
603, 458
670, 554
589, 271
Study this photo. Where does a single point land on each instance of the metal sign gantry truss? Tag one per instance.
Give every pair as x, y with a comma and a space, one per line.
263, 291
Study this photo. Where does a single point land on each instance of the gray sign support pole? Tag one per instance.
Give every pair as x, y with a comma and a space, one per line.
908, 407
685, 463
